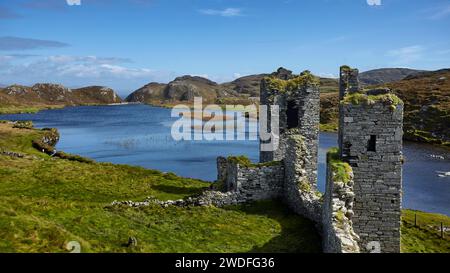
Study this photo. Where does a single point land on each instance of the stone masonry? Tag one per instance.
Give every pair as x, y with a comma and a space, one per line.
371, 142
299, 113
254, 182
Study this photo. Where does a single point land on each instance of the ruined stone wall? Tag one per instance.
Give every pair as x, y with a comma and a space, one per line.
299, 193
270, 97
222, 165
372, 144
348, 84
255, 182
337, 227
309, 120
307, 100
348, 81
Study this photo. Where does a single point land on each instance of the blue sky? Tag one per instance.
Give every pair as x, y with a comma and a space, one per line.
128, 43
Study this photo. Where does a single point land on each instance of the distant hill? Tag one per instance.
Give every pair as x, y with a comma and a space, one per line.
44, 95
385, 75
147, 93
96, 95
181, 89
246, 85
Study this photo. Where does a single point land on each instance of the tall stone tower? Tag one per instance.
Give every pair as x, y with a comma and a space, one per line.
370, 140
348, 84
298, 99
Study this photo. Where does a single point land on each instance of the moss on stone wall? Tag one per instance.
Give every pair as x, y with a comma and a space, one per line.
305, 186
304, 79
341, 170
246, 162
364, 99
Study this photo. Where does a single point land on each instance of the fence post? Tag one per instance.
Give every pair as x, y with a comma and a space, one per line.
442, 230
415, 219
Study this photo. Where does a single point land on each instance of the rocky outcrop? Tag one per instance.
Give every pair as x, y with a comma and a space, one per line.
97, 95
47, 94
187, 87
148, 93
182, 89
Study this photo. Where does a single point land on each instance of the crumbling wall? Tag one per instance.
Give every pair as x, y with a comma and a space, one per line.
255, 182
337, 227
309, 115
299, 192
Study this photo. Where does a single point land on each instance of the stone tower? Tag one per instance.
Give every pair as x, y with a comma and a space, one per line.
370, 140
348, 84
298, 99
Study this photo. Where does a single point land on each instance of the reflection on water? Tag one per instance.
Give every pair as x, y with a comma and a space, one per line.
140, 135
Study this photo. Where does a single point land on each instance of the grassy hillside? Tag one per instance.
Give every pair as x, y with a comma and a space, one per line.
425, 235
46, 202
427, 106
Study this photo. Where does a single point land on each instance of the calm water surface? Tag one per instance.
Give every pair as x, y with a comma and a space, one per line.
140, 135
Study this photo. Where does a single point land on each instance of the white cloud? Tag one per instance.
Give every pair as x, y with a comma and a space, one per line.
78, 71
327, 75
237, 75
406, 55
228, 12
374, 2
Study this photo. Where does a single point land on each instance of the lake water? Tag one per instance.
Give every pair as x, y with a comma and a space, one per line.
140, 135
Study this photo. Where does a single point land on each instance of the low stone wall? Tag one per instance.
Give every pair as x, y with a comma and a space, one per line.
256, 182
338, 234
207, 198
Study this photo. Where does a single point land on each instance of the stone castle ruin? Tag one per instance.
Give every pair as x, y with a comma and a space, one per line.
360, 210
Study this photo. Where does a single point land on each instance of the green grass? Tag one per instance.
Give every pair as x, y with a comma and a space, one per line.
425, 237
21, 109
341, 170
47, 202
305, 78
328, 127
361, 98
246, 162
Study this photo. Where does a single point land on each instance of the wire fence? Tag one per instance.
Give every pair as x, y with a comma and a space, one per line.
439, 226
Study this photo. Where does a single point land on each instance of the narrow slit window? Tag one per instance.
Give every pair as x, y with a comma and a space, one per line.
372, 145
292, 115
